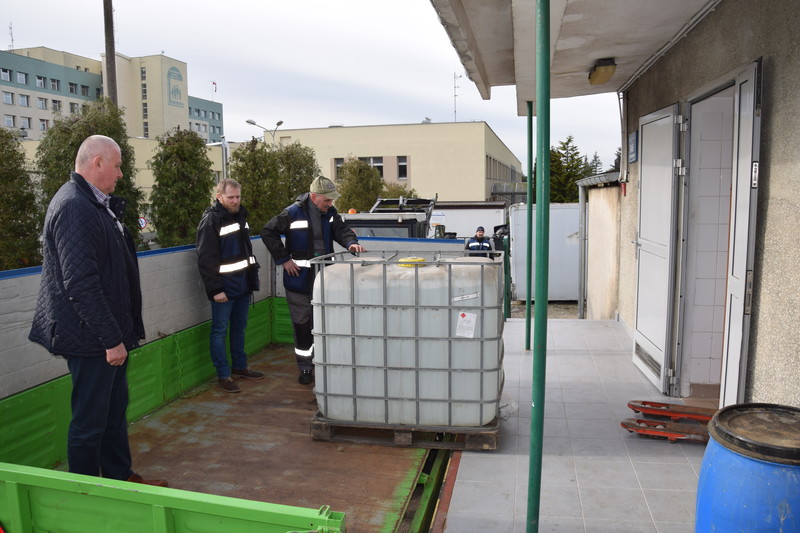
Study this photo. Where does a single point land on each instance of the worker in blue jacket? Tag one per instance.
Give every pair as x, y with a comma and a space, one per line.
311, 225
479, 244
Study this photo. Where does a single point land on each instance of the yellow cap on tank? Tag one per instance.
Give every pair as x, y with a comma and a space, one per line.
412, 261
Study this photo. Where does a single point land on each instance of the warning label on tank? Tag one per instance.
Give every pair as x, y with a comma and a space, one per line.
466, 325
463, 297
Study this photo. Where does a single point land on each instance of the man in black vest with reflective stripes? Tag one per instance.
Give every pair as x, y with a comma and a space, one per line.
310, 226
230, 275
479, 243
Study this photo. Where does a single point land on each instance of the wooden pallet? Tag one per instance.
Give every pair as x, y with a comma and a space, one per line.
429, 437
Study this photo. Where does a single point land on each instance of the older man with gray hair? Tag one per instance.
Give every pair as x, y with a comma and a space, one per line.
89, 309
311, 225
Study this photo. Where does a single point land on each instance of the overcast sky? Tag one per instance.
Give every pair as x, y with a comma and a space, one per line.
310, 63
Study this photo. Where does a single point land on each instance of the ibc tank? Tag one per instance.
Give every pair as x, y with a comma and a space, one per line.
409, 341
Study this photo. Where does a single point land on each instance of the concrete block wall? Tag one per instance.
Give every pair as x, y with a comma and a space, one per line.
173, 300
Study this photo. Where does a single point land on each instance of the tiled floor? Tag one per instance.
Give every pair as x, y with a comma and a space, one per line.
596, 477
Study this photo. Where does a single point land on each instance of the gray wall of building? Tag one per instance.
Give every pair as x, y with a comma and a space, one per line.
173, 299
735, 34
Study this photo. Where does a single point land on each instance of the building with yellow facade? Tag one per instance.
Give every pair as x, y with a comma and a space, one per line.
454, 160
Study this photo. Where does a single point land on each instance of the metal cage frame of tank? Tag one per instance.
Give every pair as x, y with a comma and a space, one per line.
483, 309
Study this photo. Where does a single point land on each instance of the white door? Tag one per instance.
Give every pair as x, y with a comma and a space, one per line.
706, 226
741, 241
655, 243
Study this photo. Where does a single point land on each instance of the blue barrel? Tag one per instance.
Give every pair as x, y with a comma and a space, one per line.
750, 476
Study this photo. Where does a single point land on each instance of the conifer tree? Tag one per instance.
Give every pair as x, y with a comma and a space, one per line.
20, 220
396, 190
359, 184
271, 177
183, 186
55, 156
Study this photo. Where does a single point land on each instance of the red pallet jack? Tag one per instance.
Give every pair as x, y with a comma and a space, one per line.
662, 421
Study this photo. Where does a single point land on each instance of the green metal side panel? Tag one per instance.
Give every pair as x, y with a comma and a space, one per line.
145, 379
33, 499
282, 330
188, 362
259, 327
35, 423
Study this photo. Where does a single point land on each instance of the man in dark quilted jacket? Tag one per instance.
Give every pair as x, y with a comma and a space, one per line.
89, 309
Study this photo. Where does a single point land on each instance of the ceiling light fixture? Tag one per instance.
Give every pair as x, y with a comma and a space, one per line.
602, 71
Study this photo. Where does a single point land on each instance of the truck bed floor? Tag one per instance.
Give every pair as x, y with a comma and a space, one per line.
256, 445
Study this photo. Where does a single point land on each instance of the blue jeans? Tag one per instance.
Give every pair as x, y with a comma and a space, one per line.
97, 443
235, 313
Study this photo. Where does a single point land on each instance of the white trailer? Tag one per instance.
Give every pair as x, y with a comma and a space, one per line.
462, 218
563, 247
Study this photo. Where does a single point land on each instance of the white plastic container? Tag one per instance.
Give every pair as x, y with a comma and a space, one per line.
406, 342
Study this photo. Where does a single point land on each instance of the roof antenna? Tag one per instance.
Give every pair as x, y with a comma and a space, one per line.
11, 33
455, 94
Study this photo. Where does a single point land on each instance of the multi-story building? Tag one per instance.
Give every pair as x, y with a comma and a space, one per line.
38, 83
456, 160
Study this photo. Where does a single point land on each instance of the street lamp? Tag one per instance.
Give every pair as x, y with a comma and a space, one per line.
267, 130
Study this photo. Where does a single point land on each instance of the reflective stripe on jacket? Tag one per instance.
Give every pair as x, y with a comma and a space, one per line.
225, 254
293, 223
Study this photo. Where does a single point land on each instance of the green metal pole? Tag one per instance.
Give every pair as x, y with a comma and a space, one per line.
529, 248
542, 258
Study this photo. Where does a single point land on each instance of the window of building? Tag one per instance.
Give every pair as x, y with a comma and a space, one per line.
144, 110
146, 130
337, 163
73, 88
5, 74
374, 162
84, 108
25, 123
402, 167
41, 103
9, 121
41, 82
24, 100
74, 108
22, 78
98, 92
56, 106
205, 128
144, 91
84, 90
55, 85
8, 98
143, 73
44, 124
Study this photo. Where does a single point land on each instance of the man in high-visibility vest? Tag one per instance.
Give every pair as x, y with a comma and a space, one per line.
479, 243
310, 226
230, 275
